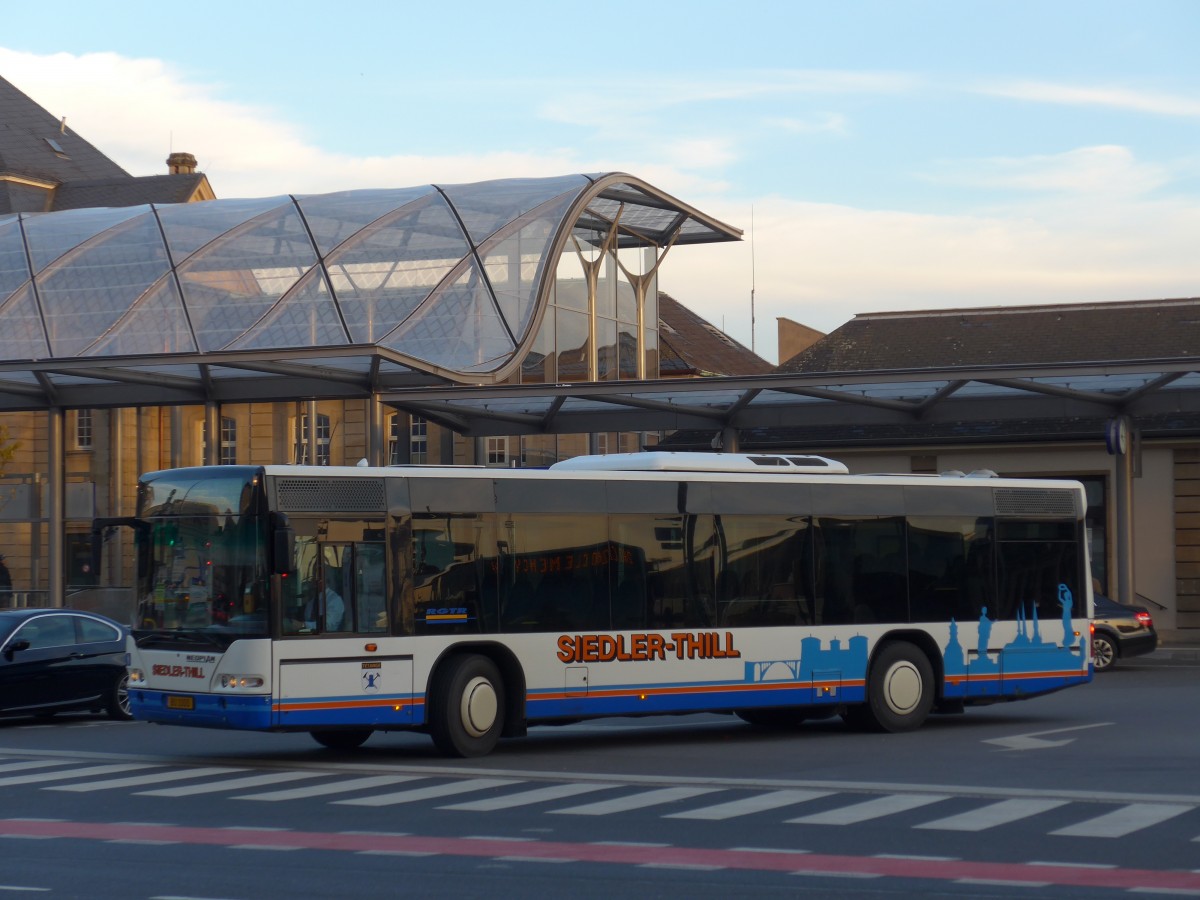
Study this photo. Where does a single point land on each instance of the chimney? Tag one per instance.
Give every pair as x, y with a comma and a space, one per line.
181, 164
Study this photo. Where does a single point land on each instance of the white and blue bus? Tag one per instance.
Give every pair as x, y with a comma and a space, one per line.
471, 603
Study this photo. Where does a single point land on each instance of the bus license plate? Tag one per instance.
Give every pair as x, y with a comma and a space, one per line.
181, 702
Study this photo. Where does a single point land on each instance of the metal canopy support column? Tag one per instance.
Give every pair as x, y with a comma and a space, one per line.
114, 562
56, 514
376, 446
1124, 496
309, 434
176, 436
212, 433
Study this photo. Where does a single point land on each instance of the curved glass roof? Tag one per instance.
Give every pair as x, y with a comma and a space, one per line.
357, 291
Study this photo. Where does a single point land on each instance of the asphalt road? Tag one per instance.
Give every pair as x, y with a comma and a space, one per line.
1091, 792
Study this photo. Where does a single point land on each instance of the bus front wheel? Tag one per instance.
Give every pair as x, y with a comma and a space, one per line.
467, 712
900, 690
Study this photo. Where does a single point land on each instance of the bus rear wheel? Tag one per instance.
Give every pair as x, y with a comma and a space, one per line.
467, 701
351, 739
900, 690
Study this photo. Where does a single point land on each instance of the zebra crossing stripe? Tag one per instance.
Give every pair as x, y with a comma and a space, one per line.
232, 784
994, 814
876, 808
85, 772
748, 805
428, 793
137, 780
320, 790
634, 801
32, 764
527, 798
1125, 820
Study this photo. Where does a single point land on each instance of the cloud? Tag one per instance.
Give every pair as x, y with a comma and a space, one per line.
626, 101
820, 264
822, 123
1111, 97
1096, 170
138, 110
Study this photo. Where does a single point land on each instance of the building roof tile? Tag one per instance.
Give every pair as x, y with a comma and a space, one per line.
1030, 335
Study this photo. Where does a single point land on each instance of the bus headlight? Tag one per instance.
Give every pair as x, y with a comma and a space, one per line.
137, 676
241, 682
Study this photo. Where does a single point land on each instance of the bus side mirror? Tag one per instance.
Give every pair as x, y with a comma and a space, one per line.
283, 544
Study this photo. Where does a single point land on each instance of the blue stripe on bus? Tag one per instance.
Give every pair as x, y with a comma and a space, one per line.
212, 710
261, 713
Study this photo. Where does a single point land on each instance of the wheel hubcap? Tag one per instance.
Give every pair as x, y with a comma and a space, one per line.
902, 688
123, 695
479, 706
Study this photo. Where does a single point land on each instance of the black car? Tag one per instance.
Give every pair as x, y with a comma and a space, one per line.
1119, 631
53, 660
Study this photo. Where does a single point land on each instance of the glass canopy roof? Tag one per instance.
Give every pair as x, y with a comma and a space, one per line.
336, 295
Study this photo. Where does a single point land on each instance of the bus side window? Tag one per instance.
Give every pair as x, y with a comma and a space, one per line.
370, 593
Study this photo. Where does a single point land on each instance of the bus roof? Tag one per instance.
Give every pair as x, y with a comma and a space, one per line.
679, 461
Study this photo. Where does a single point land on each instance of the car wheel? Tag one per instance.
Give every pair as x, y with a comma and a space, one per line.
118, 699
467, 707
1104, 652
342, 740
900, 690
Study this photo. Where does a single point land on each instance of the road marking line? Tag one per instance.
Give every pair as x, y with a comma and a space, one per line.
526, 798
994, 814
633, 801
869, 809
232, 784
73, 773
428, 793
152, 778
1033, 739
35, 764
1125, 820
320, 790
749, 805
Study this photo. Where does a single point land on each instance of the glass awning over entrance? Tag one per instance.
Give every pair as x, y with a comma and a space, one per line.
334, 295
920, 401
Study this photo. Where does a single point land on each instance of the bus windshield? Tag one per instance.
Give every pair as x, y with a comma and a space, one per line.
202, 551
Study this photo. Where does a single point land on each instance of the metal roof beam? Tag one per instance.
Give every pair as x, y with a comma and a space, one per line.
525, 419
739, 404
941, 394
657, 406
1056, 390
446, 419
1150, 387
858, 399
636, 198
22, 390
132, 376
552, 411
293, 370
49, 389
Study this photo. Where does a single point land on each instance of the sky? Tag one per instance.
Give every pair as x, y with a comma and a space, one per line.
877, 155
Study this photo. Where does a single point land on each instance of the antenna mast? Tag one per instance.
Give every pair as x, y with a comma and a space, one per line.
752, 350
